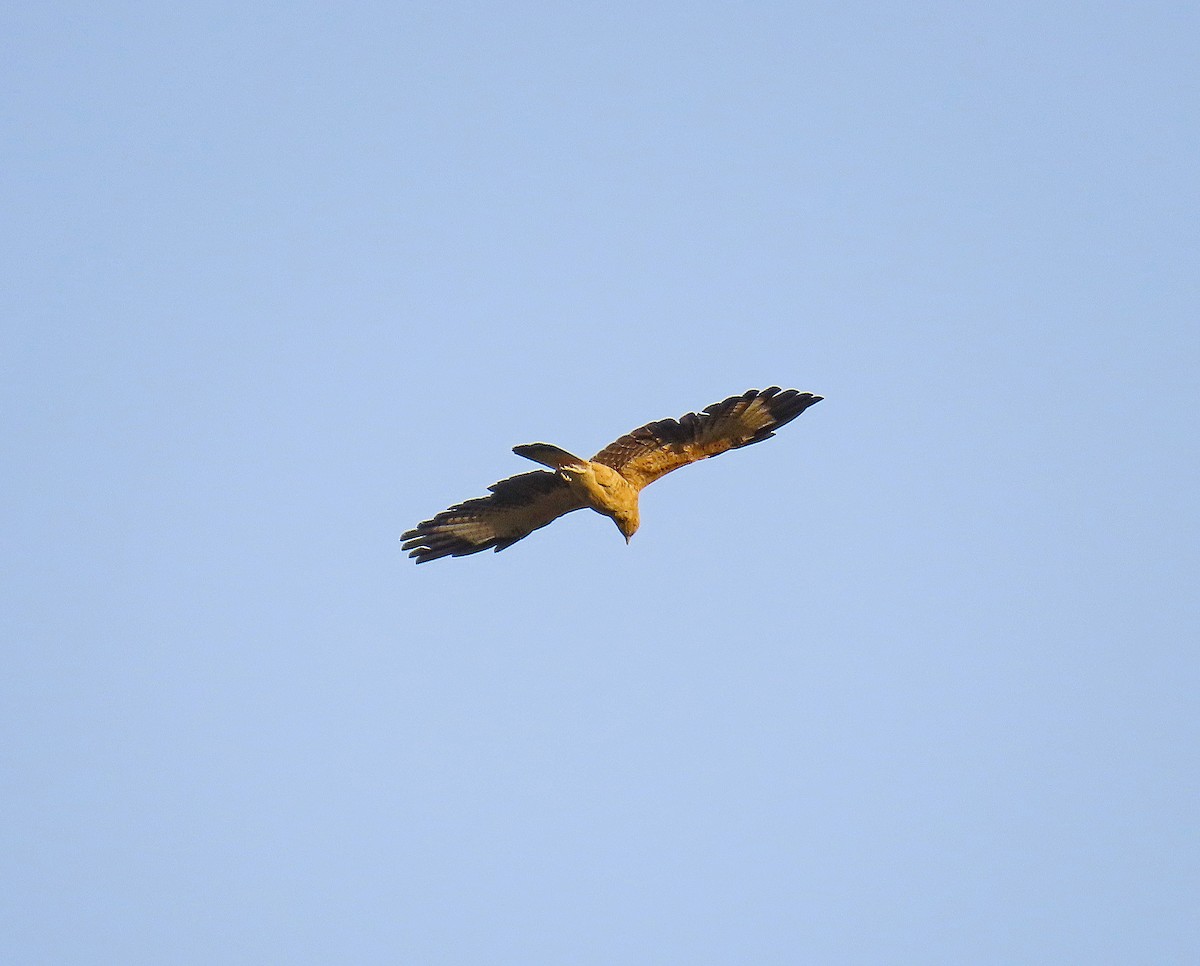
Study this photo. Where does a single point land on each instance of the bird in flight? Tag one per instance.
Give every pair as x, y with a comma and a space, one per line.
609, 482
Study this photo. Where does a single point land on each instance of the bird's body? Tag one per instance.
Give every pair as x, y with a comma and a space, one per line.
600, 487
609, 483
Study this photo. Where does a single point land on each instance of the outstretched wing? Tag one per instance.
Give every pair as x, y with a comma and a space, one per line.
657, 448
516, 507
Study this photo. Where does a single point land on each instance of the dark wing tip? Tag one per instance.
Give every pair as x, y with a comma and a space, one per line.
786, 404
429, 540
434, 544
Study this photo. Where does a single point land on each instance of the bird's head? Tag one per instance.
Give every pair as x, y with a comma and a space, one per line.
627, 522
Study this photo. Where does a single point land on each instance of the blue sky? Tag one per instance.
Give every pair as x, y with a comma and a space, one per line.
914, 682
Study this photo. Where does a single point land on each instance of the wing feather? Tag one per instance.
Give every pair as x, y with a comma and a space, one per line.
513, 510
658, 448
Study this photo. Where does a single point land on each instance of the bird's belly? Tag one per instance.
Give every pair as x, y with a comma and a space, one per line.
602, 499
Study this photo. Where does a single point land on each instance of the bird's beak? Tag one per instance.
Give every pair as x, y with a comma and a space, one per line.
628, 537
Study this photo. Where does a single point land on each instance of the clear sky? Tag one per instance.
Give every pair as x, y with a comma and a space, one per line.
914, 682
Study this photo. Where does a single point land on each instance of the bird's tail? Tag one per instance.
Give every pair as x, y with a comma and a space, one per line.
549, 455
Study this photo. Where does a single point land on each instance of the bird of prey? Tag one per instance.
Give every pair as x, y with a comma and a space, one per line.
609, 482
